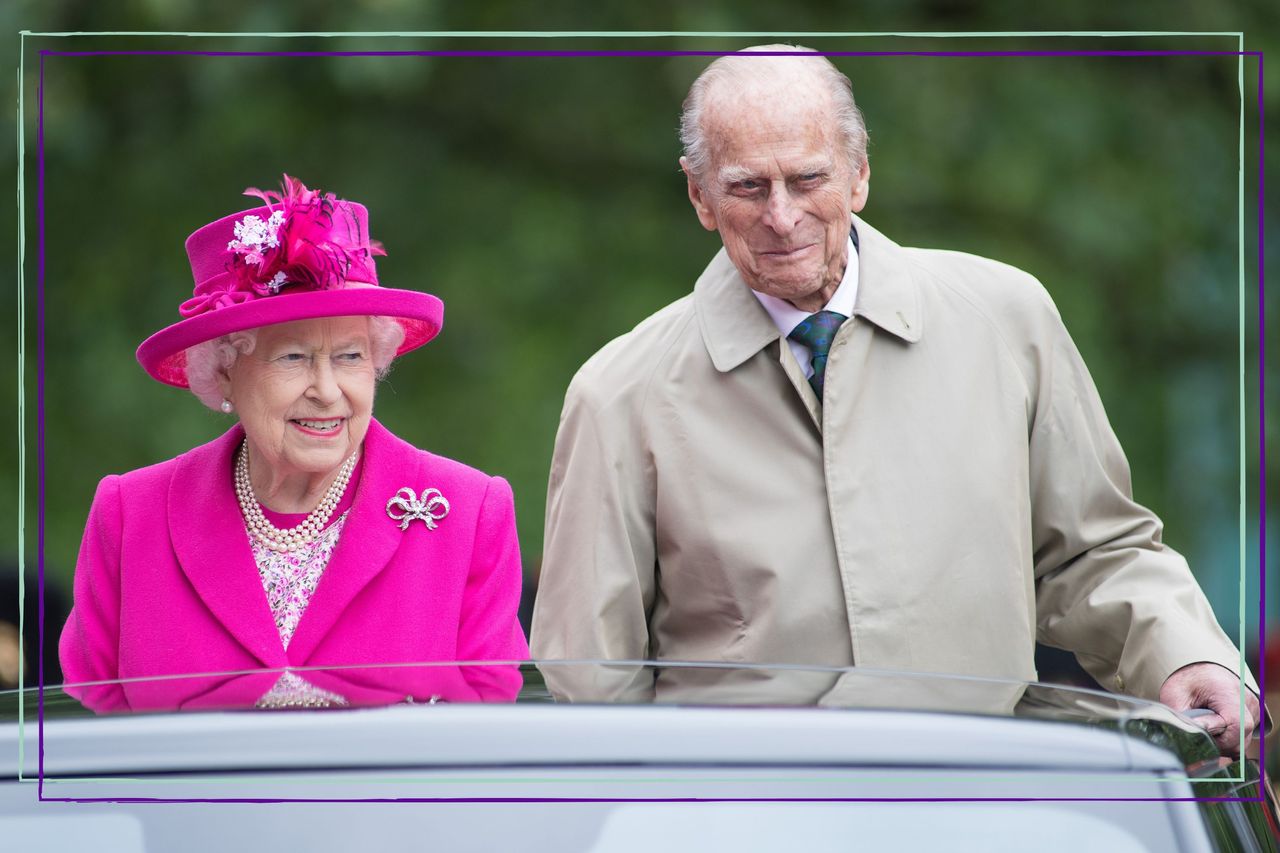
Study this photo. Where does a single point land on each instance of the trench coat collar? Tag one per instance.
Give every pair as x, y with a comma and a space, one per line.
888, 292
735, 326
213, 549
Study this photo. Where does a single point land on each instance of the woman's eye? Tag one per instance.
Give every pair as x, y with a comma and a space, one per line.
351, 356
292, 357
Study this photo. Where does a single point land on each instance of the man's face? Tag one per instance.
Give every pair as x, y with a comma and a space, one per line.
780, 190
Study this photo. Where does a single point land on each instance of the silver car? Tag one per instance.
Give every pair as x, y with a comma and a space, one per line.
755, 758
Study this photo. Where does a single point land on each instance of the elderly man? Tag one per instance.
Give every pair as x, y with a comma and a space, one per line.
840, 451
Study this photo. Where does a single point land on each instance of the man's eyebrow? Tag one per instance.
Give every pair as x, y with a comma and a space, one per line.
817, 167
735, 174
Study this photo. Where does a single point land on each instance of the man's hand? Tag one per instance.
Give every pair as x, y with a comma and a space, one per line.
1208, 685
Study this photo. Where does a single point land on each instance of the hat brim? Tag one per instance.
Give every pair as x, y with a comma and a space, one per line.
164, 354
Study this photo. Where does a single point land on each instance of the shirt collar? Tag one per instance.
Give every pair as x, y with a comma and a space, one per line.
735, 325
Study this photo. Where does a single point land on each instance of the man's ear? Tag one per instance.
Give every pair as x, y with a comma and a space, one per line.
698, 198
861, 188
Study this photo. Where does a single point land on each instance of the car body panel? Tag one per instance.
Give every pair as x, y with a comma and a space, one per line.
889, 760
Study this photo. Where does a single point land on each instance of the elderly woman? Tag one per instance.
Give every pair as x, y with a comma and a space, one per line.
308, 535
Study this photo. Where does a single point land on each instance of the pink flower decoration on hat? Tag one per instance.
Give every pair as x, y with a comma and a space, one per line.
311, 239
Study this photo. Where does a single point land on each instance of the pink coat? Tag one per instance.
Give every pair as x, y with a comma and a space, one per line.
166, 583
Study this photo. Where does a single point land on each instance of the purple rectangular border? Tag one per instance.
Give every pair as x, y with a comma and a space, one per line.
40, 420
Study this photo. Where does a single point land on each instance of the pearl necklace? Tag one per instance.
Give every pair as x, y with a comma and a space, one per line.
266, 533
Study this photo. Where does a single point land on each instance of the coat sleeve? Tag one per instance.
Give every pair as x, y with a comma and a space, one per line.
596, 587
489, 629
89, 647
1107, 587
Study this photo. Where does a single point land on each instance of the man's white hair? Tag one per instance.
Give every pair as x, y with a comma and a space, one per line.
736, 67
206, 361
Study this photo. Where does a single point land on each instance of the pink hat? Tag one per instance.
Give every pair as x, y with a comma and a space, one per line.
305, 255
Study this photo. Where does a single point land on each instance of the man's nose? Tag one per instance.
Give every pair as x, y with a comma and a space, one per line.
782, 213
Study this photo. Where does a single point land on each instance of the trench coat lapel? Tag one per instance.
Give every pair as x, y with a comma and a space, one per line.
733, 323
888, 294
213, 549
368, 542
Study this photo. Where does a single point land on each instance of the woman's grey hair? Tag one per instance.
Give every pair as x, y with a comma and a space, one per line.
847, 115
206, 361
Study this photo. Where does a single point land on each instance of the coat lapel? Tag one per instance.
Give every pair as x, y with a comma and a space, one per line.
368, 542
209, 539
888, 295
734, 324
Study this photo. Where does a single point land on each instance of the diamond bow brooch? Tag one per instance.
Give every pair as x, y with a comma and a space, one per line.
406, 506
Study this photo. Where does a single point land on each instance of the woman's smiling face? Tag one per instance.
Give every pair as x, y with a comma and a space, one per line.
305, 394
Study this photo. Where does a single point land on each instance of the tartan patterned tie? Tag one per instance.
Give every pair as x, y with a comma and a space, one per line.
817, 331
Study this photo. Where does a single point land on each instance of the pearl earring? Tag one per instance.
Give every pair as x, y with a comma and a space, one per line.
226, 406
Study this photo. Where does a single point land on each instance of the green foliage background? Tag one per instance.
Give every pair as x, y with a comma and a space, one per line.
540, 198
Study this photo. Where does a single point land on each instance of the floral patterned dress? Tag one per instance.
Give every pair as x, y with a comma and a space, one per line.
289, 579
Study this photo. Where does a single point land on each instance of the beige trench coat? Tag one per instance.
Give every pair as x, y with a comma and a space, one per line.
958, 495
